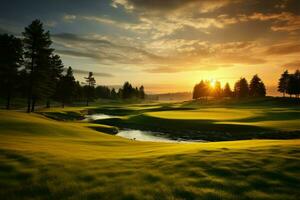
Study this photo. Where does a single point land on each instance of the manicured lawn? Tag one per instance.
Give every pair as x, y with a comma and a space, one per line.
42, 158
213, 120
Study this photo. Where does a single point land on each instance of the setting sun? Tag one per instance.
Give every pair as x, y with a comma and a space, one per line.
212, 83
150, 99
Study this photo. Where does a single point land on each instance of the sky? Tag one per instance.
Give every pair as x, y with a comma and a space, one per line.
167, 45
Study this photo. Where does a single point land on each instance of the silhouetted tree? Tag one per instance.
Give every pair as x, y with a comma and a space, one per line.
142, 92
196, 91
241, 88
227, 92
127, 91
217, 90
89, 88
66, 88
292, 86
283, 83
55, 70
257, 87
10, 61
78, 91
201, 90
297, 84
102, 92
113, 94
37, 44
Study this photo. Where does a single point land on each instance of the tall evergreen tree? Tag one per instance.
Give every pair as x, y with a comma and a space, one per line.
201, 89
241, 88
37, 44
102, 92
142, 92
297, 84
292, 85
127, 91
283, 83
113, 94
66, 88
10, 61
89, 88
56, 68
217, 90
196, 91
257, 87
227, 92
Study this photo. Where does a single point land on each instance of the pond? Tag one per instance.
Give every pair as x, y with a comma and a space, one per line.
140, 135
98, 116
143, 136
150, 136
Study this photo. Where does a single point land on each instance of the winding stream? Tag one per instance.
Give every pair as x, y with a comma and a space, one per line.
139, 135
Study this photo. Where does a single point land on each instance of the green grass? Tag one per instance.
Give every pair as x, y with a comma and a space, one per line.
224, 120
42, 158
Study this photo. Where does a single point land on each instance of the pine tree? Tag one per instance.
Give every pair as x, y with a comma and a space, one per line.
283, 83
37, 54
217, 90
56, 68
10, 61
113, 94
257, 87
127, 90
241, 88
66, 88
142, 92
89, 88
297, 84
195, 92
227, 91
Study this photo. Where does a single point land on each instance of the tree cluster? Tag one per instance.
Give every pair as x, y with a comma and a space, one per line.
129, 92
289, 84
29, 68
242, 89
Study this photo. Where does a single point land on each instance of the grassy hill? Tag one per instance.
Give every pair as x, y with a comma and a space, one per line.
41, 158
223, 120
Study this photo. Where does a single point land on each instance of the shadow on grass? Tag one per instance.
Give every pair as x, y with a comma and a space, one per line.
198, 129
219, 174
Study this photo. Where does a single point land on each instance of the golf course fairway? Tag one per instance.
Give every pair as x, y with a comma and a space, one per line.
42, 158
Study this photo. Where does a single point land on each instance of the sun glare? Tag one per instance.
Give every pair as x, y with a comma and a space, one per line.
212, 83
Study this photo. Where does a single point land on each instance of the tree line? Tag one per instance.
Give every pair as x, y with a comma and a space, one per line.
289, 84
242, 89
30, 68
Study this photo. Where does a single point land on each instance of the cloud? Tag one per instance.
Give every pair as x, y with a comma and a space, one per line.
85, 72
170, 55
69, 18
170, 5
162, 18
282, 49
102, 50
283, 21
292, 65
101, 20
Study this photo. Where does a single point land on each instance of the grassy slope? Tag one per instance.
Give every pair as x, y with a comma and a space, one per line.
45, 159
213, 120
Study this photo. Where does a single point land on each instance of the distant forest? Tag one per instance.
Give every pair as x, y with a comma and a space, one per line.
287, 84
30, 69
